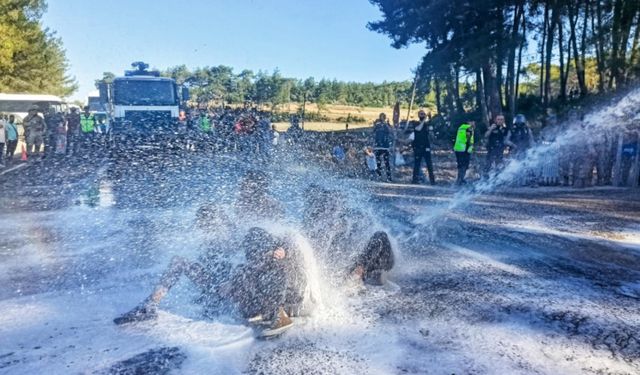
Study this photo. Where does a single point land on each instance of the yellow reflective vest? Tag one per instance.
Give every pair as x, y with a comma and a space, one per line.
461, 139
87, 123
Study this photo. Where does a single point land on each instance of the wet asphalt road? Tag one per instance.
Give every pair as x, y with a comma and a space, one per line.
520, 281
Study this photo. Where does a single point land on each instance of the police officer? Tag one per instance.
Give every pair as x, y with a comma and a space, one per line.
520, 139
87, 127
495, 136
463, 149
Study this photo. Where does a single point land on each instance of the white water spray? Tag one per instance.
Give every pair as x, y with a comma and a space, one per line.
594, 125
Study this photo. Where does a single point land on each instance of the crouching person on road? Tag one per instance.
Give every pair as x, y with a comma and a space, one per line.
268, 289
375, 261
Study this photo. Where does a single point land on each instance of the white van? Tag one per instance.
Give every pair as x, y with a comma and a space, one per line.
19, 104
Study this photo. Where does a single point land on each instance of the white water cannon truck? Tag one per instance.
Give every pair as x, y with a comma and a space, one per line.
143, 106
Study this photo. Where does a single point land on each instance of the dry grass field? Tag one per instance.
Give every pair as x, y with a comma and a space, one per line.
338, 113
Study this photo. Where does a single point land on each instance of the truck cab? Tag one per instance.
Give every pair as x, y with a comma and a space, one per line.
143, 105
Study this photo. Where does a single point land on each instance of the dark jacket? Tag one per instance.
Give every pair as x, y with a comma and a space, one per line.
73, 122
382, 135
495, 141
422, 142
520, 137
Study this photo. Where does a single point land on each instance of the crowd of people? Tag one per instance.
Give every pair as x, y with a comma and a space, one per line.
228, 129
251, 132
586, 160
51, 134
84, 133
260, 276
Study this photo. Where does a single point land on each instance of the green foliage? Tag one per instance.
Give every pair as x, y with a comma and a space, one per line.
32, 59
222, 85
107, 77
583, 47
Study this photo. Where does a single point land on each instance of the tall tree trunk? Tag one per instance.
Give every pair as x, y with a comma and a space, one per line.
563, 77
599, 32
480, 98
448, 99
491, 87
614, 75
522, 43
583, 46
436, 82
633, 60
511, 79
628, 15
542, 48
456, 82
578, 58
555, 16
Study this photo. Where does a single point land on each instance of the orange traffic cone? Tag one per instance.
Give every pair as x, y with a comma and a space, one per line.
24, 154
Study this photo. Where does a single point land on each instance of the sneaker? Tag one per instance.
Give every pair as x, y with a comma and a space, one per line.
280, 324
138, 314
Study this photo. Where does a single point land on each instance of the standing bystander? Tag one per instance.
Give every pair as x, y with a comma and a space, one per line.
34, 131
73, 131
421, 143
382, 141
11, 130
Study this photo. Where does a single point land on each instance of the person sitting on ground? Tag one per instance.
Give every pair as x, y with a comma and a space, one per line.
377, 259
334, 231
268, 287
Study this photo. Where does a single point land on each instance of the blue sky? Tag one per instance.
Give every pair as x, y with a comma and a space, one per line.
302, 38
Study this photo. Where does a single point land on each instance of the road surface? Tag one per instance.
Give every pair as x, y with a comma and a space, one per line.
519, 281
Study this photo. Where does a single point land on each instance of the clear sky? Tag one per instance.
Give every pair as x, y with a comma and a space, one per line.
302, 38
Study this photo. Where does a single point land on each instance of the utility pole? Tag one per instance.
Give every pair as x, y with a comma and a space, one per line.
413, 96
304, 106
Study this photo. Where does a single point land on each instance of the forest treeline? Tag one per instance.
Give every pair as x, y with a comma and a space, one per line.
221, 84
495, 56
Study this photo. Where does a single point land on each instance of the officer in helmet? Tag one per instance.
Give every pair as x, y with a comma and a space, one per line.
519, 138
